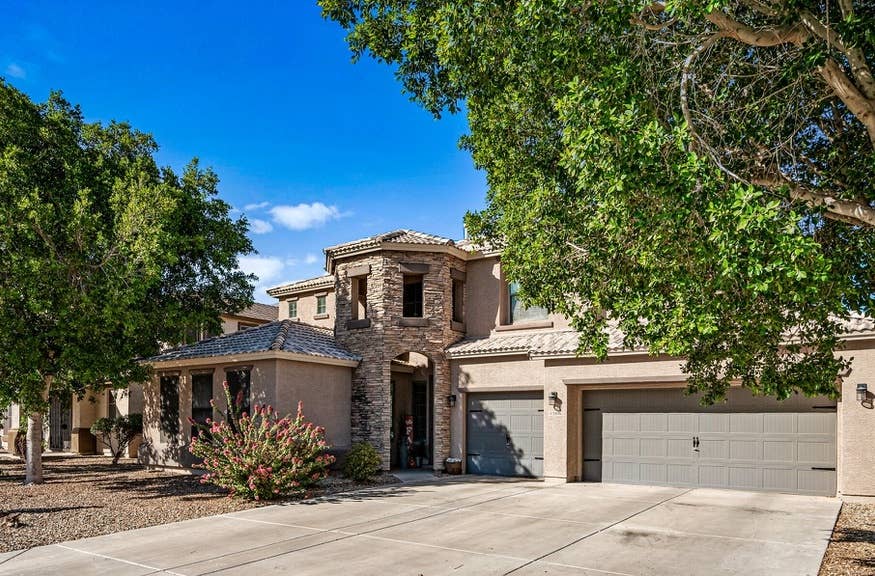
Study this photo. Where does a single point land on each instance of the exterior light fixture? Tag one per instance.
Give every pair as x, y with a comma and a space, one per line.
553, 399
451, 400
862, 392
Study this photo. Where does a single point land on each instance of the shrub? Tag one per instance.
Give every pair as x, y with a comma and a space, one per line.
118, 433
261, 456
363, 462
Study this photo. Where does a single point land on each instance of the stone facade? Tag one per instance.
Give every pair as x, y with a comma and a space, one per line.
386, 335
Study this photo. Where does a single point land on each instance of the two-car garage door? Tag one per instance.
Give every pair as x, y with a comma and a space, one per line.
662, 437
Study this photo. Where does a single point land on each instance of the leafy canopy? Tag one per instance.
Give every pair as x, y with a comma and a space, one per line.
103, 255
699, 173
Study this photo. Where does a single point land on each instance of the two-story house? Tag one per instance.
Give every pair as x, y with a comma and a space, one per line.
419, 345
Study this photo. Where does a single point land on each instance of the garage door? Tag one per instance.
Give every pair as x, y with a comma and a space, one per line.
505, 434
748, 443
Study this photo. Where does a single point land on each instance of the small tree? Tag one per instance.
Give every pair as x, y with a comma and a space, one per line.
261, 456
118, 433
363, 462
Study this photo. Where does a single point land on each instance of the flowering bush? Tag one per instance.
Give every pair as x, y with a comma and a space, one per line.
362, 462
261, 456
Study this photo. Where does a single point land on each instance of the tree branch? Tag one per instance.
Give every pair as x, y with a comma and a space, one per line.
848, 211
766, 36
862, 107
859, 67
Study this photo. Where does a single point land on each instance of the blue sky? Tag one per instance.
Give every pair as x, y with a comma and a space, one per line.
314, 149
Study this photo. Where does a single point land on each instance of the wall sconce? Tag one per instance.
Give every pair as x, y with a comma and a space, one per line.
554, 401
451, 400
862, 392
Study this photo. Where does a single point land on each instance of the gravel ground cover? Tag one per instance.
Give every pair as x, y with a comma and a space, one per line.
87, 496
851, 550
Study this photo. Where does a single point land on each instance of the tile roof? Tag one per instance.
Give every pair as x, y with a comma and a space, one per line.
281, 335
259, 311
396, 236
565, 342
541, 343
326, 281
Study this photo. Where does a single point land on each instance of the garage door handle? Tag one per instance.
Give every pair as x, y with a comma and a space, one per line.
695, 441
823, 468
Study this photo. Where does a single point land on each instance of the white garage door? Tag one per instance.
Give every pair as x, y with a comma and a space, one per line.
788, 451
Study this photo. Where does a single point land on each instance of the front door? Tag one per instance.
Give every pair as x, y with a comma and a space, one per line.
60, 419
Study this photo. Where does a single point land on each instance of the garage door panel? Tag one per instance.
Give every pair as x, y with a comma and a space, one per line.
777, 451
505, 434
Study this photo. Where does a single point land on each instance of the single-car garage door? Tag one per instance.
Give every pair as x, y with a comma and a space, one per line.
506, 434
662, 437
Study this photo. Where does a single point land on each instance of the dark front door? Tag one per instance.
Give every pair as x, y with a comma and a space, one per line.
60, 418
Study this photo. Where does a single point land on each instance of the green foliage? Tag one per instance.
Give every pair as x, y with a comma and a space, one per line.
261, 456
105, 255
362, 463
621, 141
118, 433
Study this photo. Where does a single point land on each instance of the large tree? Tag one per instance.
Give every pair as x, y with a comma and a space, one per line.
699, 173
103, 255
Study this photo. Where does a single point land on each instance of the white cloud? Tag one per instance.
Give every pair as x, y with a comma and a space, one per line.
15, 71
253, 207
266, 268
304, 216
311, 259
260, 226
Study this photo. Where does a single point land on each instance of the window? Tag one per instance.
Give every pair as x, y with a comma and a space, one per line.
321, 308
111, 407
201, 395
293, 308
359, 297
245, 326
517, 312
458, 301
238, 386
412, 301
169, 401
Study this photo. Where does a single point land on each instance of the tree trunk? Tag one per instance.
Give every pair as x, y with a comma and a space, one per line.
34, 455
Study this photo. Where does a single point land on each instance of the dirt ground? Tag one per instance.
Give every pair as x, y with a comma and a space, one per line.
852, 548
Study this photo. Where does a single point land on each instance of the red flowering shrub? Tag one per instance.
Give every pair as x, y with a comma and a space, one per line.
261, 456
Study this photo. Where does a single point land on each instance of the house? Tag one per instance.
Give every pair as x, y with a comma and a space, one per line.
69, 419
419, 345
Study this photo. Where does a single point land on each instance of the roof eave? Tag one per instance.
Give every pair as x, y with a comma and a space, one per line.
250, 357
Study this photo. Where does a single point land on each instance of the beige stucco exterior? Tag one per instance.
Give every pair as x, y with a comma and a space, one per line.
323, 388
306, 302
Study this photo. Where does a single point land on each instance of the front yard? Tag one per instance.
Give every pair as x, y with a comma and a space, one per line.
87, 496
852, 547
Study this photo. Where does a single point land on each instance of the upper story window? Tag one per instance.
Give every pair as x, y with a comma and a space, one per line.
293, 308
458, 301
359, 297
412, 297
321, 306
517, 312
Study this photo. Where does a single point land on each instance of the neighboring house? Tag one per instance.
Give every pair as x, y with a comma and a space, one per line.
419, 345
69, 420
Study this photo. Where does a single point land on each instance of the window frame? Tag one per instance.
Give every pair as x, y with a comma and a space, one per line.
321, 304
418, 305
293, 308
197, 411
233, 389
168, 402
512, 297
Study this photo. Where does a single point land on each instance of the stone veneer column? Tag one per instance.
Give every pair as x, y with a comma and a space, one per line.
385, 339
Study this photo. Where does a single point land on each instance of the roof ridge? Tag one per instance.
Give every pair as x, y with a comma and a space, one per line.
281, 335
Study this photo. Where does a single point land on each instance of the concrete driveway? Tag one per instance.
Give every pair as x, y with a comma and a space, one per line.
480, 526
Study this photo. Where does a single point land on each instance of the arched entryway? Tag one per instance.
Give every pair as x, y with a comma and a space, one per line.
412, 430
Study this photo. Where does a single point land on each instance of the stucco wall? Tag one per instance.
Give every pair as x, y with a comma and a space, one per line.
324, 390
856, 435
307, 307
